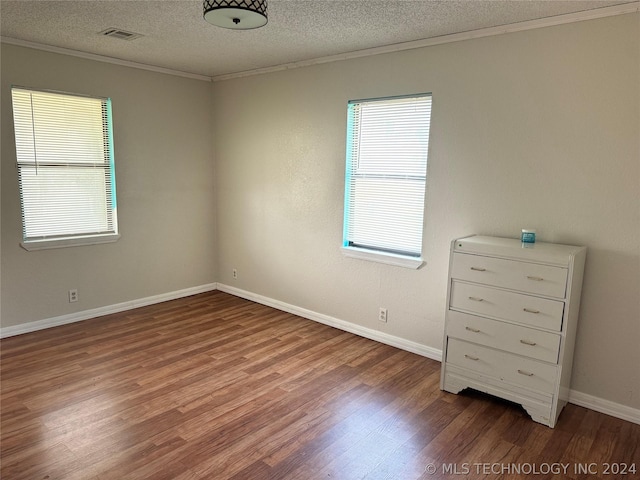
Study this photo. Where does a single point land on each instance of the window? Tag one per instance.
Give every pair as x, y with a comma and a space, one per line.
387, 146
64, 150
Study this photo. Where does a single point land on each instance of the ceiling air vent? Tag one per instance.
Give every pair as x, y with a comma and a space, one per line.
120, 34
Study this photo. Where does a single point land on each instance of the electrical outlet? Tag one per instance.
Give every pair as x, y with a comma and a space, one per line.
382, 315
235, 273
73, 295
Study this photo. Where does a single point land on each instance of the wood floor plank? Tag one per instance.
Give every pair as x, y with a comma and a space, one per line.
216, 387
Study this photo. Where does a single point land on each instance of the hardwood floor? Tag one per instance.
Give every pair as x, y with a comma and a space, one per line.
216, 387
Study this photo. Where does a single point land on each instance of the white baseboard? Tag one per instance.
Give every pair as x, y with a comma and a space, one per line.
101, 311
607, 407
369, 333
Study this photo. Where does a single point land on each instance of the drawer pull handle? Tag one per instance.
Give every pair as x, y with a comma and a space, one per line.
476, 299
528, 342
529, 310
537, 279
474, 330
478, 269
522, 372
470, 357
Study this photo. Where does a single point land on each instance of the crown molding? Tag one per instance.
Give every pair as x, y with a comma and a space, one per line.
102, 58
455, 37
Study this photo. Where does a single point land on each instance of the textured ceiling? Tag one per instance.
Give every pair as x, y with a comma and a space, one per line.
175, 36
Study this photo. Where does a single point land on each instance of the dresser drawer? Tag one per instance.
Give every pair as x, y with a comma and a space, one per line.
505, 366
500, 304
526, 277
524, 341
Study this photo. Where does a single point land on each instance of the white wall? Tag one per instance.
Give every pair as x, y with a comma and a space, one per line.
537, 129
164, 176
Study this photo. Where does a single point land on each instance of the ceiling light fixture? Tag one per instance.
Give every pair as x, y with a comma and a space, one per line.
235, 14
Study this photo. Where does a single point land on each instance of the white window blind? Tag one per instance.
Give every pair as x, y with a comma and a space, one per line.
387, 147
65, 165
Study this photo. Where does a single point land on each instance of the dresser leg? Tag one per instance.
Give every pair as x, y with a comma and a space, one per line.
540, 415
451, 385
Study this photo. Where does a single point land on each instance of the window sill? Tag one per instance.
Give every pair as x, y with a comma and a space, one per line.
382, 257
35, 245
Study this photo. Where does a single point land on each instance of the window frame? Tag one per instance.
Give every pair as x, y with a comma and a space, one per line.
27, 160
381, 255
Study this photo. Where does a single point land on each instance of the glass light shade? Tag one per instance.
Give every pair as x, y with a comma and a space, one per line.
236, 14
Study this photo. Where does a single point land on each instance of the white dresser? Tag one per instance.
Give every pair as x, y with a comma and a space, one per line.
512, 313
